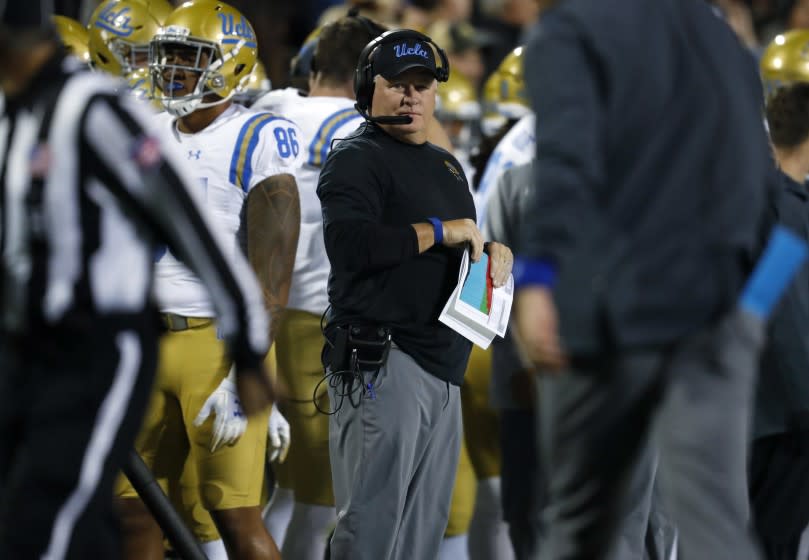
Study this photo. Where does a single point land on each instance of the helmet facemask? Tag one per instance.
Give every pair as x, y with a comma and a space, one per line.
130, 56
174, 60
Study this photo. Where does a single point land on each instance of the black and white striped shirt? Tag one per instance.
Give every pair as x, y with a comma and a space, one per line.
87, 194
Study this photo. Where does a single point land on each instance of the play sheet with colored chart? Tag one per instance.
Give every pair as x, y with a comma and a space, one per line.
477, 310
477, 290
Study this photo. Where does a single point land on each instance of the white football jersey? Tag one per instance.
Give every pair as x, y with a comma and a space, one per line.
241, 148
517, 147
322, 120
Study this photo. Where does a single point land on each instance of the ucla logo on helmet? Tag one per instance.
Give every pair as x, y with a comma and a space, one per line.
415, 50
238, 31
116, 21
176, 30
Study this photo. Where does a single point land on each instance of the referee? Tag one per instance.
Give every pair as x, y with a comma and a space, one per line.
86, 196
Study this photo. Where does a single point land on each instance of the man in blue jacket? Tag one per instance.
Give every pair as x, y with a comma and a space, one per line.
651, 166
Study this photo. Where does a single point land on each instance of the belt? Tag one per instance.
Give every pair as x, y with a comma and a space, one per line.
176, 322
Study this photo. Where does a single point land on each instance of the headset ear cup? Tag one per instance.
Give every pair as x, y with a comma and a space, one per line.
361, 87
358, 86
368, 86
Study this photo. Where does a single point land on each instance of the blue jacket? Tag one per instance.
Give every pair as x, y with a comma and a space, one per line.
651, 166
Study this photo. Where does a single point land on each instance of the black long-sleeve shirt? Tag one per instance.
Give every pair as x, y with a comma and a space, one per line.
372, 188
86, 194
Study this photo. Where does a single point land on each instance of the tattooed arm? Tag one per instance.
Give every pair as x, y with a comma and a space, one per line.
273, 224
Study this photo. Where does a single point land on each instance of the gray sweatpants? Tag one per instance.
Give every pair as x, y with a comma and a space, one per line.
693, 403
393, 461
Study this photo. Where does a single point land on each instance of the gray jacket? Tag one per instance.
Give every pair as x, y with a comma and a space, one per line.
503, 226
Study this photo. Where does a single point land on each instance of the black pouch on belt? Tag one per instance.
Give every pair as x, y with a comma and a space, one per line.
363, 347
369, 345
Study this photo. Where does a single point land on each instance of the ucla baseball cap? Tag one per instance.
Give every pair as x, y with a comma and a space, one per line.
393, 58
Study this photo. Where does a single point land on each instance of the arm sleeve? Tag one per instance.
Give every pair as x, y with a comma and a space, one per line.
152, 182
562, 81
351, 195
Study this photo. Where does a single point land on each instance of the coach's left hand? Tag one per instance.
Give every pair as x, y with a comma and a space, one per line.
501, 261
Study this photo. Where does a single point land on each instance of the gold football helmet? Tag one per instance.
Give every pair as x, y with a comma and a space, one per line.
209, 40
257, 85
504, 96
74, 37
457, 99
120, 31
140, 84
786, 60
458, 110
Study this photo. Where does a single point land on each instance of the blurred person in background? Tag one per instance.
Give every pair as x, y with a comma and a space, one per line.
421, 15
508, 127
459, 112
798, 15
507, 22
387, 12
300, 67
516, 148
464, 45
504, 100
628, 213
512, 387
779, 461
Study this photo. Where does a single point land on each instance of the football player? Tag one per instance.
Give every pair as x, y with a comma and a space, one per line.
508, 124
202, 56
458, 110
504, 97
120, 31
326, 115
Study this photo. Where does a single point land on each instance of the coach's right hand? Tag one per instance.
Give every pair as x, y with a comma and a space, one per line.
459, 232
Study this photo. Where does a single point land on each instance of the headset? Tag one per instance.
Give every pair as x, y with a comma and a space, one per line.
364, 75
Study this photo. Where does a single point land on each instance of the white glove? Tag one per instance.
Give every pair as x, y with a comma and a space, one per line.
230, 422
278, 432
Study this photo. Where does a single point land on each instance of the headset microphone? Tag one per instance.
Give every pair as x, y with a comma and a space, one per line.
387, 119
401, 119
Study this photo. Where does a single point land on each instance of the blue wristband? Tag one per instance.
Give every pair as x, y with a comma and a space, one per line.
782, 258
438, 230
